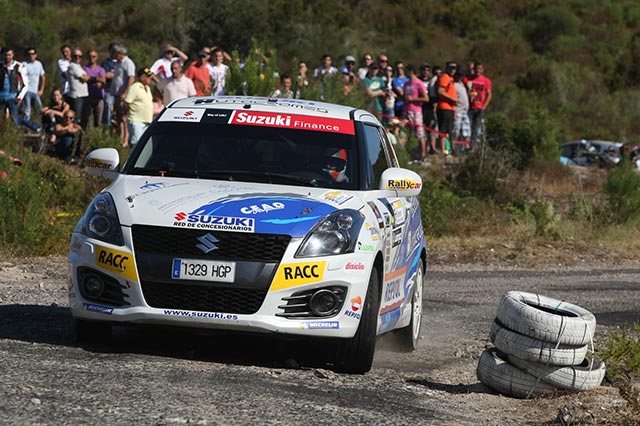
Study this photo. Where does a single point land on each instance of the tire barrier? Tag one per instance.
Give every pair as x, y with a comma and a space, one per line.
540, 347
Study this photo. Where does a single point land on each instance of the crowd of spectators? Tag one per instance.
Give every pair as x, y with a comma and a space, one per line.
441, 107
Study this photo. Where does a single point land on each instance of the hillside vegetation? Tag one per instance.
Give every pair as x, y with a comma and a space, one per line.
578, 60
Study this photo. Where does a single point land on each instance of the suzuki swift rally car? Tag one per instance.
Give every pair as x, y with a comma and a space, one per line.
255, 214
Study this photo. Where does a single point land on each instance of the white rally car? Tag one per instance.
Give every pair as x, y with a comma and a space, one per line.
255, 214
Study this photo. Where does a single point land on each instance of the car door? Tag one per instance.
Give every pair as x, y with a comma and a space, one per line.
393, 214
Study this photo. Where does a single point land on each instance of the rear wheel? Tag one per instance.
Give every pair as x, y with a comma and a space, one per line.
91, 331
409, 336
355, 355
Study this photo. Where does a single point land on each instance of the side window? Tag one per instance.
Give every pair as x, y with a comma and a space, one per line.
376, 160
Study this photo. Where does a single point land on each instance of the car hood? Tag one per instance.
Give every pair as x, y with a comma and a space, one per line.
230, 206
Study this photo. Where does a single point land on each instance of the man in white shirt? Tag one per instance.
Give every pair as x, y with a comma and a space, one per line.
178, 86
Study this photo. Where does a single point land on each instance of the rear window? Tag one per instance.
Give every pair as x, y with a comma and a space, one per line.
213, 150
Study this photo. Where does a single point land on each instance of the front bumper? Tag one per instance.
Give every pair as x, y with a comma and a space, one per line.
87, 254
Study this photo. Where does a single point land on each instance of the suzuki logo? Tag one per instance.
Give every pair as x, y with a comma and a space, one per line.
208, 243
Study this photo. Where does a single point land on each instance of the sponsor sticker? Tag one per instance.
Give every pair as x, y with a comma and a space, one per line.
319, 325
356, 305
98, 163
116, 261
373, 231
98, 308
403, 184
262, 208
295, 274
292, 121
398, 212
337, 197
365, 247
188, 115
195, 314
354, 266
394, 290
220, 223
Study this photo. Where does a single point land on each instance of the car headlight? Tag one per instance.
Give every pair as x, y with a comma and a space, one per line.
101, 220
336, 233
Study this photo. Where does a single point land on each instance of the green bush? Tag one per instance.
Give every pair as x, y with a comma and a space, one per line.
622, 357
623, 191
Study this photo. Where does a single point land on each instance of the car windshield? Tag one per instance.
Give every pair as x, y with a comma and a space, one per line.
246, 153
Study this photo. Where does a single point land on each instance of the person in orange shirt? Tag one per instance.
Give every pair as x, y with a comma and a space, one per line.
448, 99
198, 72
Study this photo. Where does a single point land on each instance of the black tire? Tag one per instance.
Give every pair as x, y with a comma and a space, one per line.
585, 376
534, 350
408, 338
355, 355
495, 372
547, 319
91, 331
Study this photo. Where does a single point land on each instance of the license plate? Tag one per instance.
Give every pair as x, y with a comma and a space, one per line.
203, 270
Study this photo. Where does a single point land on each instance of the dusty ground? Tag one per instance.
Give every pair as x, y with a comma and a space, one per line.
149, 376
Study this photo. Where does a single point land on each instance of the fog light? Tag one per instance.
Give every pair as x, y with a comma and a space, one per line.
93, 286
323, 303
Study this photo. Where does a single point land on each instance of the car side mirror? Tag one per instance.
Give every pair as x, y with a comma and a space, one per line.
406, 183
103, 162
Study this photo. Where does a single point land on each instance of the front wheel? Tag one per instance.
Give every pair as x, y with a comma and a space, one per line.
409, 336
355, 355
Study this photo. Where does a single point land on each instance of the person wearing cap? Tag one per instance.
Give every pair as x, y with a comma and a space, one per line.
447, 101
139, 105
349, 64
349, 78
198, 72
162, 66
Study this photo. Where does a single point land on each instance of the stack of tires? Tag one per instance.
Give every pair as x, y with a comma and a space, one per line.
540, 347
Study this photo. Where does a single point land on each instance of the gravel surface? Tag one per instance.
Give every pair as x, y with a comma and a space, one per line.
151, 376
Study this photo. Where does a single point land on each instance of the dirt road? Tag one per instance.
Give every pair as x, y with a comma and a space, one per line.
156, 377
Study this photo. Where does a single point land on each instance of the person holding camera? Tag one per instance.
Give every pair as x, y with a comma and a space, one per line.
170, 54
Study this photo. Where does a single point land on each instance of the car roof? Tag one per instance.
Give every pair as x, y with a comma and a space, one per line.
274, 105
592, 142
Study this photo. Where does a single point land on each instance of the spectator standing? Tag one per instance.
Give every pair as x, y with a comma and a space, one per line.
109, 65
198, 72
415, 94
94, 108
301, 81
480, 93
37, 80
325, 69
78, 87
176, 87
124, 76
374, 85
14, 81
139, 104
397, 84
461, 127
68, 138
390, 99
218, 70
447, 100
63, 67
429, 107
349, 66
162, 66
284, 91
367, 60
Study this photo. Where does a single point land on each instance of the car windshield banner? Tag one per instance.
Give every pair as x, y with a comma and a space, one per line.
292, 121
